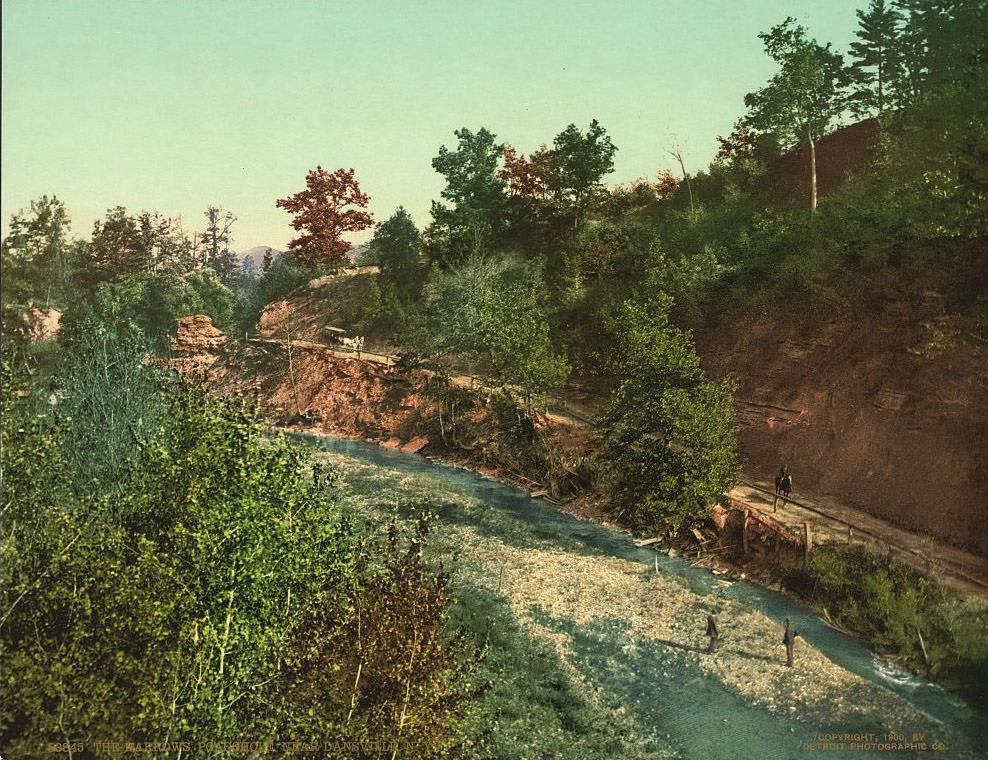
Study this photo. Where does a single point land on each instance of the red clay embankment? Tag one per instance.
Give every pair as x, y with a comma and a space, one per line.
876, 397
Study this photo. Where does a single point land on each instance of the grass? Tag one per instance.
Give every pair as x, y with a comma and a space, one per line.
535, 706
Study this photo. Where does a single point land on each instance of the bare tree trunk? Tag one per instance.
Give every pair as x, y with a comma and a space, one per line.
812, 173
881, 77
291, 374
677, 153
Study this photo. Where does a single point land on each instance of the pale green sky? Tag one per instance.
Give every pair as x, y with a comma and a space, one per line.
172, 106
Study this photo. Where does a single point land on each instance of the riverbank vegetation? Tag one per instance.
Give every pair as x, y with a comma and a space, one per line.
172, 571
900, 612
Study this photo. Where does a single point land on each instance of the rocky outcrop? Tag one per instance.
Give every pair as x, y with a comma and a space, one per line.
41, 324
196, 346
332, 394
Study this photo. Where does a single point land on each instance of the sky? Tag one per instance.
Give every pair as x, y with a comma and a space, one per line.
173, 105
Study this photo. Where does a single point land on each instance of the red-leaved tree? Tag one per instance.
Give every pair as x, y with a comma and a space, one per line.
521, 175
739, 144
666, 184
322, 215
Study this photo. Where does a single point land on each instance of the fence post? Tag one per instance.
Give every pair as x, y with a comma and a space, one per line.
807, 539
744, 533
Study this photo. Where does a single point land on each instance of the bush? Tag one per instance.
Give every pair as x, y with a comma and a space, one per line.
670, 449
170, 608
892, 606
111, 400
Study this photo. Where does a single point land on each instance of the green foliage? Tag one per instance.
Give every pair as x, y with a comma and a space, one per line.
36, 253
34, 471
802, 100
206, 294
892, 605
942, 44
213, 243
478, 216
284, 275
578, 164
111, 400
152, 301
933, 165
172, 607
493, 312
804, 97
515, 333
877, 67
395, 248
124, 244
670, 449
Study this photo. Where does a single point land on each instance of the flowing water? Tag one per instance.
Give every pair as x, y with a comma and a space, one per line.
670, 698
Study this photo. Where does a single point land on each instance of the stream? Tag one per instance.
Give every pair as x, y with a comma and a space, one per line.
670, 699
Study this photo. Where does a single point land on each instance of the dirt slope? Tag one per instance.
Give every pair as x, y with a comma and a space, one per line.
878, 397
839, 156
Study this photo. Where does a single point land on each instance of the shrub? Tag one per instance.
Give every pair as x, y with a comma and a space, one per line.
898, 610
169, 607
670, 449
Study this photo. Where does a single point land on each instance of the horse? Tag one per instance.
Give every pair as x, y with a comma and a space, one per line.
783, 486
354, 344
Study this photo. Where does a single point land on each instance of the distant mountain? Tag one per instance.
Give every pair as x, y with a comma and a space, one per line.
356, 251
253, 259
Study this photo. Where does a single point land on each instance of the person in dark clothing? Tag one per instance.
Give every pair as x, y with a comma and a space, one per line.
786, 486
789, 639
783, 486
779, 477
712, 631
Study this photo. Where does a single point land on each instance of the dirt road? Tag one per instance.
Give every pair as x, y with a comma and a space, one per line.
832, 520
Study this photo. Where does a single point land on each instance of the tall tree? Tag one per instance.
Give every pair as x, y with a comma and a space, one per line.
162, 244
479, 214
396, 246
580, 162
912, 47
956, 37
806, 95
328, 207
670, 446
123, 243
876, 54
116, 243
515, 332
215, 240
493, 311
38, 243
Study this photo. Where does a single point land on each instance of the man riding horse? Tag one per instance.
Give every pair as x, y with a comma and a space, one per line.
783, 486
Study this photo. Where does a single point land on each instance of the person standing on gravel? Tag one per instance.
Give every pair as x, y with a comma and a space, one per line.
712, 631
789, 639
